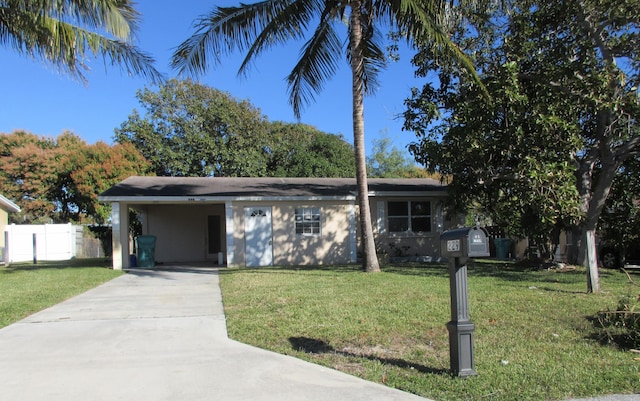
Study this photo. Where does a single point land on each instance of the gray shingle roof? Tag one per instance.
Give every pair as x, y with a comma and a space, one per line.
204, 187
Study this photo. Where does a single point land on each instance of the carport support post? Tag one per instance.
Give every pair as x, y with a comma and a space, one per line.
460, 327
120, 235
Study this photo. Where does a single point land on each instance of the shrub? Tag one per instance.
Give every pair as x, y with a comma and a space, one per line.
622, 325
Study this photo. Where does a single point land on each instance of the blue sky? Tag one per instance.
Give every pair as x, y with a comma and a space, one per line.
37, 98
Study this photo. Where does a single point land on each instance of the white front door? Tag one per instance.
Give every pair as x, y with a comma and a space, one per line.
257, 231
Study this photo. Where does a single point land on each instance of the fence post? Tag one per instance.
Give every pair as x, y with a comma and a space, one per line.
35, 250
5, 252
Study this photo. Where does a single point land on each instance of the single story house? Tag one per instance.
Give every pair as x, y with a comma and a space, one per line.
274, 221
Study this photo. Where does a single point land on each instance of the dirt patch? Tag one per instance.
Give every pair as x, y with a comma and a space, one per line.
397, 347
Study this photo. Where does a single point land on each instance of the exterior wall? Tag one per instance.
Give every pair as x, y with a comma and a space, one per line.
4, 222
181, 231
407, 245
332, 246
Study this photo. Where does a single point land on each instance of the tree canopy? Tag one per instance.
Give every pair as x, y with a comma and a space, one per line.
300, 150
387, 161
562, 120
58, 180
189, 129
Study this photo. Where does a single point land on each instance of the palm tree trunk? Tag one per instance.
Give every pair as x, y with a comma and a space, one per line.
370, 258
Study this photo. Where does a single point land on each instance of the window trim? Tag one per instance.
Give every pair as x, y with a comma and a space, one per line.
409, 218
314, 211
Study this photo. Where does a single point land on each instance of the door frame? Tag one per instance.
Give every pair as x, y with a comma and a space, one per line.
258, 249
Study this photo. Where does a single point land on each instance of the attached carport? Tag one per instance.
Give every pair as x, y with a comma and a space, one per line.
193, 221
185, 232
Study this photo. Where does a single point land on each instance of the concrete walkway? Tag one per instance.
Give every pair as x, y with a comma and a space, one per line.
157, 335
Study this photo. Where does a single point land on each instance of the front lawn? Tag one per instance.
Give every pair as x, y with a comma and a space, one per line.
536, 337
27, 288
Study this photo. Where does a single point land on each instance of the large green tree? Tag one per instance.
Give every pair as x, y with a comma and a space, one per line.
189, 129
300, 150
387, 161
564, 78
58, 180
258, 26
65, 33
508, 159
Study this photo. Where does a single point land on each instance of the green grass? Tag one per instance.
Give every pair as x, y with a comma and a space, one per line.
28, 288
535, 337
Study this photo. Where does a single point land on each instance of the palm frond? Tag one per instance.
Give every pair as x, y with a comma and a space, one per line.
374, 62
66, 32
117, 18
130, 58
318, 62
289, 24
425, 22
223, 31
374, 56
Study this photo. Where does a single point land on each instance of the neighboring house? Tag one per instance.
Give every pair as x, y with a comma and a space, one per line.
274, 221
6, 207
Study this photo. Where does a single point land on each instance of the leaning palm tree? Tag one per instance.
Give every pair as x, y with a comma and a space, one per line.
256, 27
65, 32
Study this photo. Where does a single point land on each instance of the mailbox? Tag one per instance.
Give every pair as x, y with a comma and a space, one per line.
464, 243
458, 246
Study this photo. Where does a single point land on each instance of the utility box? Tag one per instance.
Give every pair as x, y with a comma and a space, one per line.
464, 243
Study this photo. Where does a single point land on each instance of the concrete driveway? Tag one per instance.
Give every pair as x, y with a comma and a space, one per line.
157, 335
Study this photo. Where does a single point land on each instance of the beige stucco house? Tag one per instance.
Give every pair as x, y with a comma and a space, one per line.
6, 207
274, 221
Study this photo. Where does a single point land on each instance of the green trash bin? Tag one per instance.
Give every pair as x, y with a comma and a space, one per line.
145, 251
503, 247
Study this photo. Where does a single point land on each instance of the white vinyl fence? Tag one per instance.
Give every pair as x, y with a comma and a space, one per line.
44, 242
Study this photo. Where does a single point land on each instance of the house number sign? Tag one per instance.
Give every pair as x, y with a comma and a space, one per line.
453, 245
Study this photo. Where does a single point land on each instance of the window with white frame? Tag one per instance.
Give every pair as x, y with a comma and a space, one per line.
307, 220
409, 216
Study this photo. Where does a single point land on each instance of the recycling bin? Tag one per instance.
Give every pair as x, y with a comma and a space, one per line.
145, 251
503, 247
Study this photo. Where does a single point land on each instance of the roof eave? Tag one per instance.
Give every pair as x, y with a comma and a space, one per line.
407, 194
218, 199
9, 206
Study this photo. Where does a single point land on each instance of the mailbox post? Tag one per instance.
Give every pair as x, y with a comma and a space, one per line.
458, 246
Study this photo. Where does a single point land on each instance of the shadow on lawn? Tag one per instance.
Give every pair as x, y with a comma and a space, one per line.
315, 346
